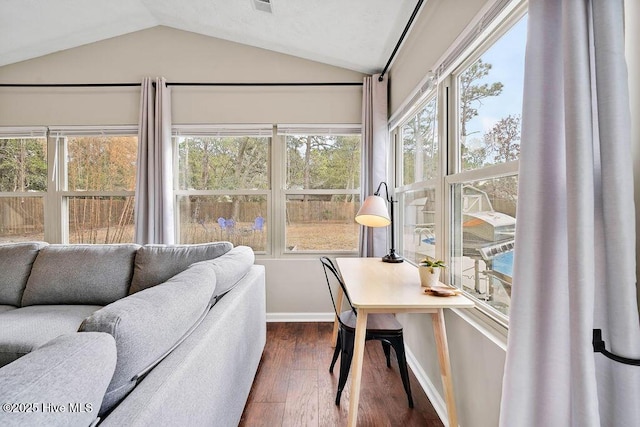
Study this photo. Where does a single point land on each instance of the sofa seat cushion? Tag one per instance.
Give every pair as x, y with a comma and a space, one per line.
156, 263
70, 372
149, 324
4, 307
27, 328
16, 260
80, 274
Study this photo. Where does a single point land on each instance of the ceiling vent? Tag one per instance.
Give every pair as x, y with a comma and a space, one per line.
263, 5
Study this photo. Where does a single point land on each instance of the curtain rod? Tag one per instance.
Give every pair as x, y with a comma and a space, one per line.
179, 84
404, 33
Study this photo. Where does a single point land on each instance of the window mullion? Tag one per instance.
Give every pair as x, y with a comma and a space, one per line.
278, 205
53, 202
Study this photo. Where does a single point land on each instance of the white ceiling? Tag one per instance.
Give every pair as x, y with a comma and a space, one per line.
353, 34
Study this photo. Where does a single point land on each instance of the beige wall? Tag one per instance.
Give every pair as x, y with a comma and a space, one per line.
178, 56
435, 29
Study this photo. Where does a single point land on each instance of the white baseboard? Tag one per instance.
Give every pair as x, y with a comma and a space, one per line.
430, 390
300, 317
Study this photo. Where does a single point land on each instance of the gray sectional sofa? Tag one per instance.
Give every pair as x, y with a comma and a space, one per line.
128, 335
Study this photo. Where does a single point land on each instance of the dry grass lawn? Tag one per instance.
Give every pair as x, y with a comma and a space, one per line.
325, 236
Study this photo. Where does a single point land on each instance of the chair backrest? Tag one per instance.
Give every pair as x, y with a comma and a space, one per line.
327, 265
222, 222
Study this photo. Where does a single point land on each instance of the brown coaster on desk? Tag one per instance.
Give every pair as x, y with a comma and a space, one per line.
441, 291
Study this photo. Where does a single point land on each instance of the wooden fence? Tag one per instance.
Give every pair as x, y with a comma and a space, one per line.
19, 215
298, 211
320, 210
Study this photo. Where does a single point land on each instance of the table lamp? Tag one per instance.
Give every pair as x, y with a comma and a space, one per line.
374, 213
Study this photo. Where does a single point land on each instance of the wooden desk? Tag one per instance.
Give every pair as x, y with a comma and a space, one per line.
378, 287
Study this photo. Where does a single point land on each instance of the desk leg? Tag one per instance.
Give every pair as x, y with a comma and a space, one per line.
356, 366
336, 325
440, 333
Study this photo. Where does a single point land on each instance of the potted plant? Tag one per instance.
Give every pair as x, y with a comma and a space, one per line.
429, 270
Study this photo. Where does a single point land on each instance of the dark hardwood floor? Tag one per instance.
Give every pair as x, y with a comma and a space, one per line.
293, 386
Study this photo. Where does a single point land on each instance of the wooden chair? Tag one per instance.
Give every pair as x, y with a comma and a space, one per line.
380, 326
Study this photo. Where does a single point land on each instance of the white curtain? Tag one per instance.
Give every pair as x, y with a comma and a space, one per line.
574, 268
154, 179
375, 142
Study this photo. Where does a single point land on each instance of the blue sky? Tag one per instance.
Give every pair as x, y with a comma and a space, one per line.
507, 58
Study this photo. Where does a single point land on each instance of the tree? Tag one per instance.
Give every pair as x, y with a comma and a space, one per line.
222, 163
303, 159
503, 139
472, 92
420, 145
23, 164
100, 163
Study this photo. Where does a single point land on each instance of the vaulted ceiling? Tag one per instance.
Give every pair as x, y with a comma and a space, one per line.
354, 34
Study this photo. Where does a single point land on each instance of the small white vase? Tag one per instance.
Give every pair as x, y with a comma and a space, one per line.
429, 276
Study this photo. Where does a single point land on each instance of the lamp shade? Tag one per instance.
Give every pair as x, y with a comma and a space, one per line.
373, 212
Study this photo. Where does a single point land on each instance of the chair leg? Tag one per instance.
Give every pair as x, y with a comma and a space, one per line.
398, 346
336, 352
345, 362
387, 351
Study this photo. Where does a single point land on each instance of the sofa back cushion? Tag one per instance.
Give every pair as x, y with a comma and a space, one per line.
156, 263
230, 268
149, 324
80, 274
16, 260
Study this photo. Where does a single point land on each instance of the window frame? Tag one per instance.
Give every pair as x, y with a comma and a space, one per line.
30, 132
58, 195
257, 130
281, 131
434, 92
459, 176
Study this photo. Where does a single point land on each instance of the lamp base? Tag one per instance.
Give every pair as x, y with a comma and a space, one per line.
392, 257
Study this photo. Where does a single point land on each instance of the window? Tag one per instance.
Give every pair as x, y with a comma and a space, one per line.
419, 224
23, 183
420, 145
223, 185
95, 194
490, 102
420, 167
483, 238
484, 202
322, 188
457, 184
